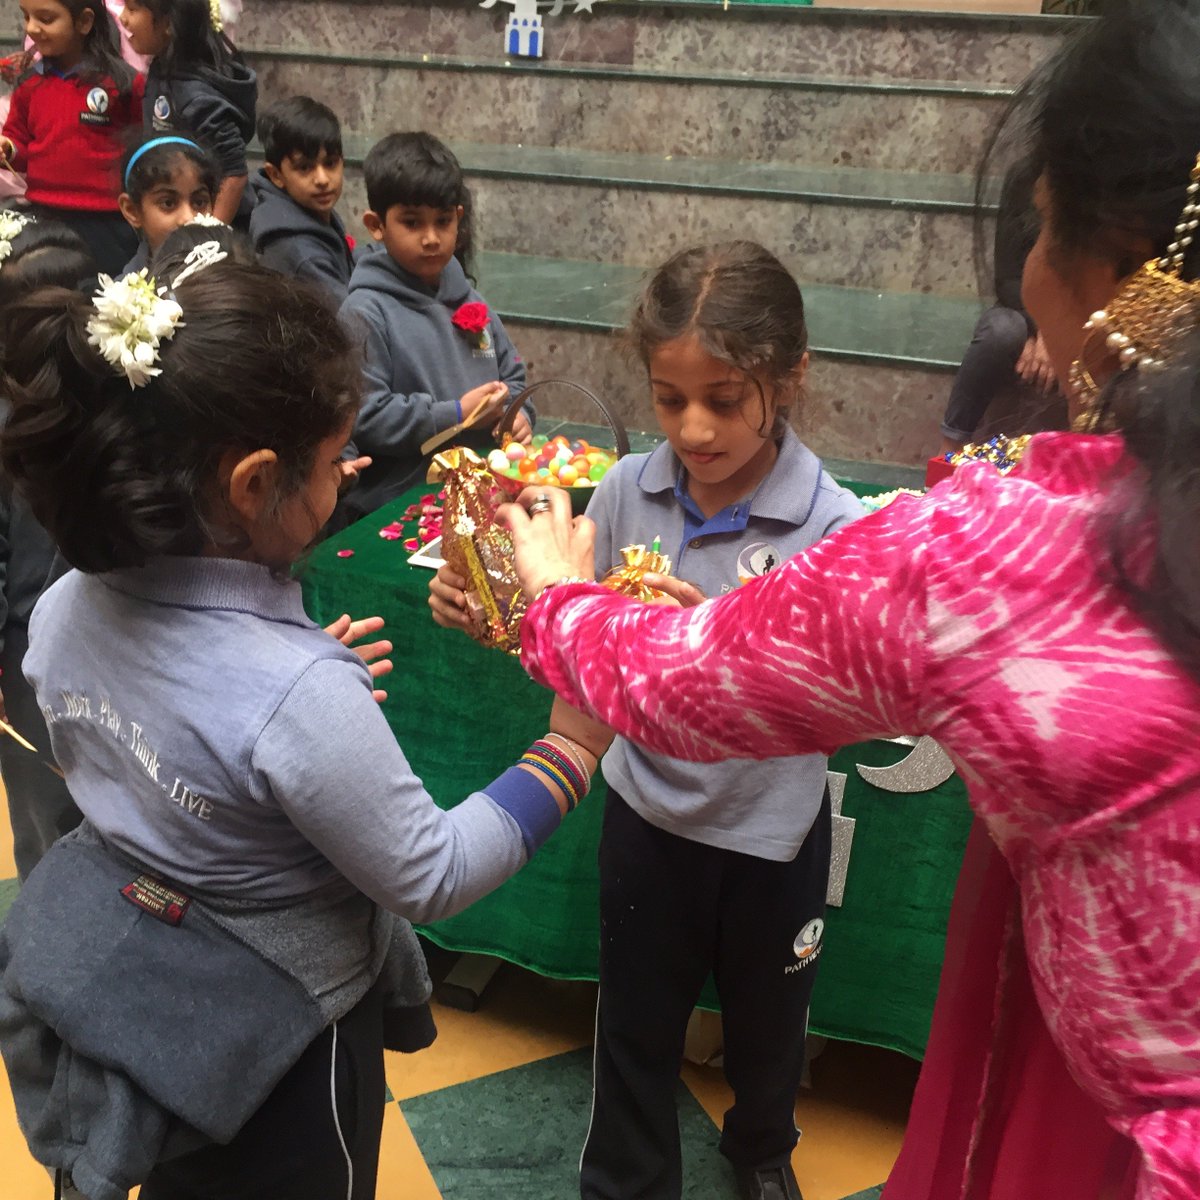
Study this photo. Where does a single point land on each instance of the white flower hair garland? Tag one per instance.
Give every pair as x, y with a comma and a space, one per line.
11, 224
130, 321
208, 219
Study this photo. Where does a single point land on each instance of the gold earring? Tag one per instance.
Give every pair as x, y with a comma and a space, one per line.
1143, 320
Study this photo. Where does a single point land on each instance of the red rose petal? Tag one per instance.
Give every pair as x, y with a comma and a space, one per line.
345, 554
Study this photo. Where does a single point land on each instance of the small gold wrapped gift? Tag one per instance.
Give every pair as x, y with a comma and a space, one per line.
479, 549
628, 578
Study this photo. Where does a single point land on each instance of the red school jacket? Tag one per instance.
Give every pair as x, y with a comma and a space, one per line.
66, 133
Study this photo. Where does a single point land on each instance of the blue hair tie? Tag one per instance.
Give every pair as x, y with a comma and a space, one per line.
159, 141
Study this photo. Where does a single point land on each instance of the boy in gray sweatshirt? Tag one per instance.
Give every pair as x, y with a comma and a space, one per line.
434, 351
294, 227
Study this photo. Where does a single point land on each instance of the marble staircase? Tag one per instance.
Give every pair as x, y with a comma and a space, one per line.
845, 141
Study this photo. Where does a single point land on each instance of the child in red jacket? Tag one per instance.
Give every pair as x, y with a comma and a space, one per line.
65, 121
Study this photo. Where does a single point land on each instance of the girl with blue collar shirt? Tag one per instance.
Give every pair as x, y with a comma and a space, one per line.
719, 867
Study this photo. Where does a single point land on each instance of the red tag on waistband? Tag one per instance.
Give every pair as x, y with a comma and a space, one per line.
162, 902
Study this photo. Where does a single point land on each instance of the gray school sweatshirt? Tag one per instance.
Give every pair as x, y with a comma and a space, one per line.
210, 731
290, 239
417, 365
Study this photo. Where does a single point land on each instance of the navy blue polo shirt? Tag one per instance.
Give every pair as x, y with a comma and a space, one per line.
759, 808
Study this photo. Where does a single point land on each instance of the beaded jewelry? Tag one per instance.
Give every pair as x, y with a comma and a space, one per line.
1145, 317
548, 759
569, 747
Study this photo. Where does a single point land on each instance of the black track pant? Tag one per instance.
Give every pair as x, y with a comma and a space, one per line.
671, 910
293, 1148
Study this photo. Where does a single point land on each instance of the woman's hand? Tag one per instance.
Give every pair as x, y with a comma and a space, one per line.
348, 631
551, 545
1035, 368
448, 599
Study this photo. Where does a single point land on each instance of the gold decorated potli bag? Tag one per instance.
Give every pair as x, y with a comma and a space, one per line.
628, 579
479, 549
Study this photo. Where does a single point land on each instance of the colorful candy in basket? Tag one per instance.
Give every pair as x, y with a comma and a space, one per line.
479, 549
558, 461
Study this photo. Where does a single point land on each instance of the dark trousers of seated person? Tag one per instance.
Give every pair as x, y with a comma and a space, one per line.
988, 365
293, 1148
110, 238
40, 807
671, 910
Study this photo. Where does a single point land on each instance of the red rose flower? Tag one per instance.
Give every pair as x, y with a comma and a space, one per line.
15, 65
350, 243
472, 317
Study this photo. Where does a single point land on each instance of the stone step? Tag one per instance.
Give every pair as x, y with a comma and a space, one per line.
813, 121
893, 231
854, 324
684, 35
881, 363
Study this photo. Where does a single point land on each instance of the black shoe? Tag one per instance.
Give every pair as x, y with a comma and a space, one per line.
768, 1183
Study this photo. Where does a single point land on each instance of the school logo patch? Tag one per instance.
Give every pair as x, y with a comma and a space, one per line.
807, 946
757, 559
162, 109
96, 112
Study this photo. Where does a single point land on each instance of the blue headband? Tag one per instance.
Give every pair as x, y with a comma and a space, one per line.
162, 141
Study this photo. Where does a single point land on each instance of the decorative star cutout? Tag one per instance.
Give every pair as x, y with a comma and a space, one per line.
584, 5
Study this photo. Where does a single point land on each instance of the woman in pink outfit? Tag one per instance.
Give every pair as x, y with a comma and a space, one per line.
1044, 626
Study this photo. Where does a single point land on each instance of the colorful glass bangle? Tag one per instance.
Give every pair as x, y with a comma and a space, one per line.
559, 778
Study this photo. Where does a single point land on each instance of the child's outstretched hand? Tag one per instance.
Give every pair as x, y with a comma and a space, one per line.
448, 599
676, 591
351, 469
348, 631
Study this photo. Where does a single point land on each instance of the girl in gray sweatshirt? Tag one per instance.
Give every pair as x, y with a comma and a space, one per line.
227, 754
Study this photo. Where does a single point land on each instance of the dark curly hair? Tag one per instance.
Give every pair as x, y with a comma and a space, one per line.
120, 476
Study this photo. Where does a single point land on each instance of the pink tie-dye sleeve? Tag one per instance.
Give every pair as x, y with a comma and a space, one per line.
826, 650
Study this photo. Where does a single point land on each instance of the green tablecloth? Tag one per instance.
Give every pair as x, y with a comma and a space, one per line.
463, 714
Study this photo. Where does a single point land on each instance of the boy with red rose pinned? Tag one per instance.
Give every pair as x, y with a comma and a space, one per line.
434, 352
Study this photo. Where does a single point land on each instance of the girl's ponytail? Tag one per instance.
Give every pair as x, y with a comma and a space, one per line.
82, 446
